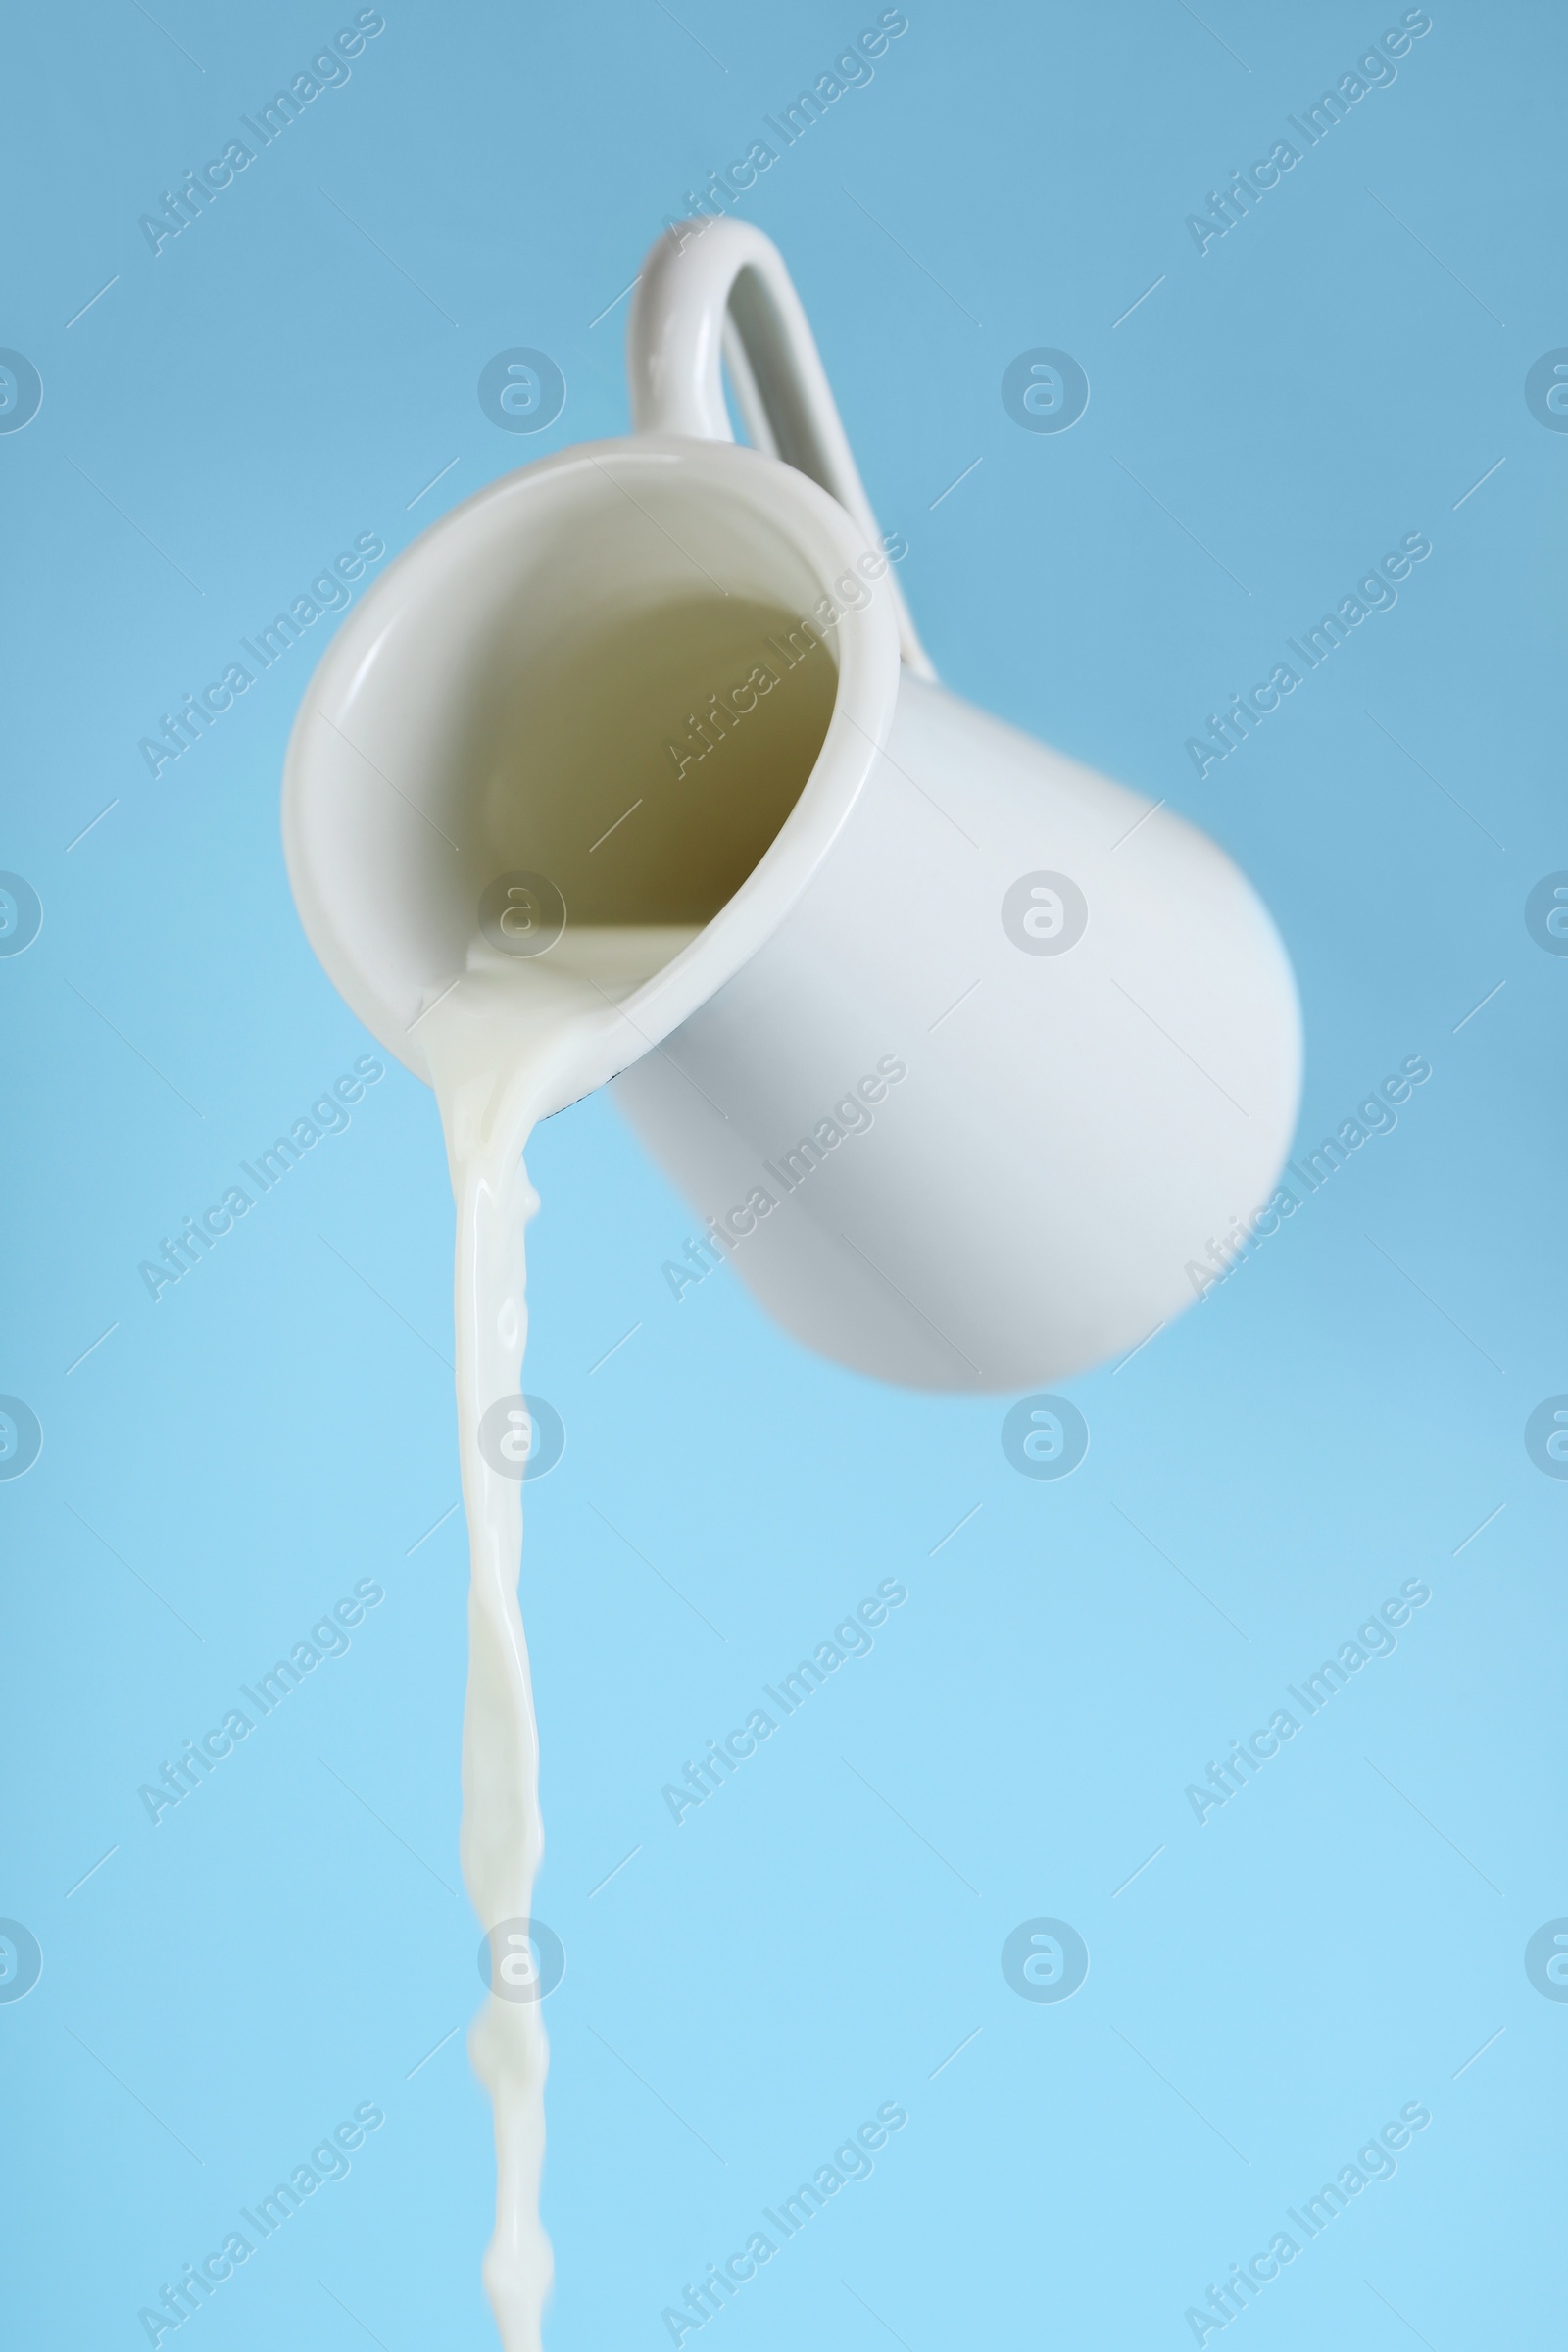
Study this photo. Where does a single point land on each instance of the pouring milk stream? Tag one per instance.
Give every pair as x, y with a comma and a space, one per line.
632, 768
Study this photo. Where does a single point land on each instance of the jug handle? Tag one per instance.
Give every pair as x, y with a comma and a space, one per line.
715, 292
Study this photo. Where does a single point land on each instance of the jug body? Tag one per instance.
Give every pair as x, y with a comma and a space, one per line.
977, 1114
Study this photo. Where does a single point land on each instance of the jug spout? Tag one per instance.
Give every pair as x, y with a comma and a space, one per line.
509, 762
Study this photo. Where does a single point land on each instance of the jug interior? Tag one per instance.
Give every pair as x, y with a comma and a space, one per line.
638, 762
606, 684
645, 759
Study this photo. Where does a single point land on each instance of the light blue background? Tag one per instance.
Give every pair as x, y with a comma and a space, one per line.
1276, 1982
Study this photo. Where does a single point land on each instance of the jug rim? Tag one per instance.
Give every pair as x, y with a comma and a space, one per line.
325, 769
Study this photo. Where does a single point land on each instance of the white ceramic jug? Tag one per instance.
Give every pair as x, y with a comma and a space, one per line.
962, 1056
